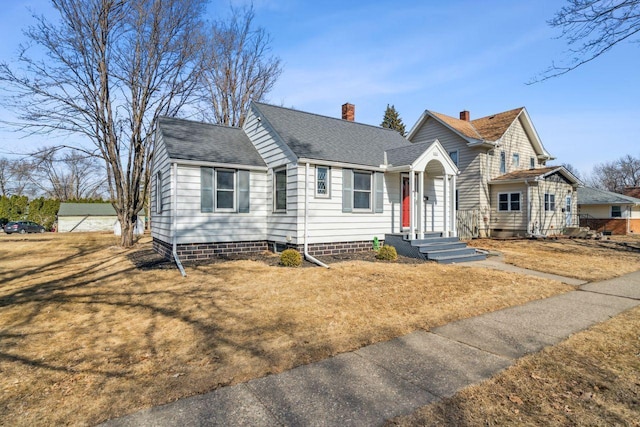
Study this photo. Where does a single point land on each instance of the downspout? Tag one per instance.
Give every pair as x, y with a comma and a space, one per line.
528, 207
174, 217
306, 219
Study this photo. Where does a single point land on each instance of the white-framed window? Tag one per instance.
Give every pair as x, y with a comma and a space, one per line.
323, 181
225, 188
508, 202
503, 162
280, 190
362, 190
549, 202
454, 156
159, 201
616, 211
516, 160
532, 162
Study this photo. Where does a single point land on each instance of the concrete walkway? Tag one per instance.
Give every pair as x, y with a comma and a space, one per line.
384, 380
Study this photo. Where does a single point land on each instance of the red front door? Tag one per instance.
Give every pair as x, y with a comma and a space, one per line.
406, 202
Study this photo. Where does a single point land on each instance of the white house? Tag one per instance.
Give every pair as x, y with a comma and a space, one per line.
288, 178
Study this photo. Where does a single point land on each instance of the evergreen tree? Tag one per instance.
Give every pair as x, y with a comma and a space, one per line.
392, 120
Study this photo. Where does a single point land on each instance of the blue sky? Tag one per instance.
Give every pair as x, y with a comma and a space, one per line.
442, 56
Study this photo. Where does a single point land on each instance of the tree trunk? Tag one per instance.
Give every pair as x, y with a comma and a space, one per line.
127, 228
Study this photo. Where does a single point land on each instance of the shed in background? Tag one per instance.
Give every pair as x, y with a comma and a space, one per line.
83, 217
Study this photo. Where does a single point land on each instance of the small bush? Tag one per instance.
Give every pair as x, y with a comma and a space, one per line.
387, 253
290, 258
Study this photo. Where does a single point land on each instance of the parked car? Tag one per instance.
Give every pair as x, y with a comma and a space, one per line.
23, 227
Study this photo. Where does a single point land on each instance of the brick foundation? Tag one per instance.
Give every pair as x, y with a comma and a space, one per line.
615, 226
203, 251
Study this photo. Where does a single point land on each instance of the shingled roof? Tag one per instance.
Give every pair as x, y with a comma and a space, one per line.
190, 140
312, 136
489, 128
529, 174
594, 196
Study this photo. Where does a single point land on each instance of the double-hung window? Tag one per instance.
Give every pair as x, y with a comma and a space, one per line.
503, 162
224, 190
323, 181
616, 211
508, 202
516, 160
280, 190
549, 202
362, 190
225, 187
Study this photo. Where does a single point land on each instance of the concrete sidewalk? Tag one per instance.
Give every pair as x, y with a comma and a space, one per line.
384, 380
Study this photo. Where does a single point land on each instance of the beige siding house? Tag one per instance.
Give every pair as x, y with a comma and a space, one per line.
504, 187
291, 179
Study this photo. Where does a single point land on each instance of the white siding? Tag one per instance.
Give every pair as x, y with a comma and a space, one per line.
161, 222
86, 223
326, 221
195, 226
469, 182
281, 226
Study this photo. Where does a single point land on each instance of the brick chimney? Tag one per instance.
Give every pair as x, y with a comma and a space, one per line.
348, 112
465, 115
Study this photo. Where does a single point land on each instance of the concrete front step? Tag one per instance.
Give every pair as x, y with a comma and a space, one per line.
434, 247
427, 247
448, 253
431, 240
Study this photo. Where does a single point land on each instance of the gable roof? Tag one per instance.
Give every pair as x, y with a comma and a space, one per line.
312, 136
535, 174
86, 209
486, 130
190, 140
594, 196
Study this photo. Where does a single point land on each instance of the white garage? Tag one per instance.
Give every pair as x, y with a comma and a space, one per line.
83, 217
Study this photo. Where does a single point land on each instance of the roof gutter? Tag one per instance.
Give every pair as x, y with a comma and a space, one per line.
174, 217
307, 256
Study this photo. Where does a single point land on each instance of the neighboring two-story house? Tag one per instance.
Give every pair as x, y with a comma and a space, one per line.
504, 187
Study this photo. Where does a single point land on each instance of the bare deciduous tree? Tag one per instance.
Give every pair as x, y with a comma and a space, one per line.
111, 68
15, 176
238, 68
618, 174
67, 176
591, 28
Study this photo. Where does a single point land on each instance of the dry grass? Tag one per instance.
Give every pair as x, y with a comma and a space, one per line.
589, 260
591, 379
85, 335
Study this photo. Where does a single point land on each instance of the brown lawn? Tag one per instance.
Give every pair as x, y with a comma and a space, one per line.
86, 335
591, 379
588, 260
